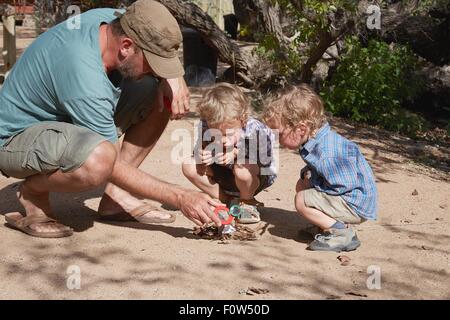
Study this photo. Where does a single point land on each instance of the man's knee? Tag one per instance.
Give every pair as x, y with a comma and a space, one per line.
99, 165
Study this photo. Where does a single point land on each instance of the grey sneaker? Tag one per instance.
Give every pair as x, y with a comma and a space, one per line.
249, 214
311, 230
248, 210
335, 240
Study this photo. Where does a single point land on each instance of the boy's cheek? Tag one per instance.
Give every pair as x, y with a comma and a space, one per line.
288, 143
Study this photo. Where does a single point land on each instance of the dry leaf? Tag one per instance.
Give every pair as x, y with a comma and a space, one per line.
211, 232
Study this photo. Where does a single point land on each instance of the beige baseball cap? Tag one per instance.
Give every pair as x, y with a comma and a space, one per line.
154, 29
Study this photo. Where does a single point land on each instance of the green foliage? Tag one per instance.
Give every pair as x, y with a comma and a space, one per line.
286, 61
371, 83
307, 24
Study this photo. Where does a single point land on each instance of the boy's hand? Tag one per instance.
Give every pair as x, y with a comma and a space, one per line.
305, 173
226, 158
206, 157
304, 183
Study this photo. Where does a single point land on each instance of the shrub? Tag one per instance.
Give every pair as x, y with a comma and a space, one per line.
371, 83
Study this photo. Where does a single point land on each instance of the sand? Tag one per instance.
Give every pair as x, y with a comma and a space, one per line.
409, 243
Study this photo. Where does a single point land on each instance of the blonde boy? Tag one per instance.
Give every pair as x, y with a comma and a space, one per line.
241, 165
337, 187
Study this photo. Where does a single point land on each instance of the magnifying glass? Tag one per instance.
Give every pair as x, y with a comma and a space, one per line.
235, 211
223, 213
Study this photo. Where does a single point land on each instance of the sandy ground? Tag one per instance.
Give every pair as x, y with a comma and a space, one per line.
409, 243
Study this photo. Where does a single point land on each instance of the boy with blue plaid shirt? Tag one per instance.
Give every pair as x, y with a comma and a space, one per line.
337, 187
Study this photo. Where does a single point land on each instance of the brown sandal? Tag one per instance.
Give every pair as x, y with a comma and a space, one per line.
19, 222
139, 215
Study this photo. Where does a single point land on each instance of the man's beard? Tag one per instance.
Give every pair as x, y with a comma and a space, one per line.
129, 70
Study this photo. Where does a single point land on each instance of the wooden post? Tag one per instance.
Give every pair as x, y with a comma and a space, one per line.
216, 9
9, 38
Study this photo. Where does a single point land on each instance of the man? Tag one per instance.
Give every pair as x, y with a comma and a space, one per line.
70, 95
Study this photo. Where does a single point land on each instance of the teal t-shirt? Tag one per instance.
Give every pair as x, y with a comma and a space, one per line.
60, 77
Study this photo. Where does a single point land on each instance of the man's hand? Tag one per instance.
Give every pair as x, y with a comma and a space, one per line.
177, 92
199, 207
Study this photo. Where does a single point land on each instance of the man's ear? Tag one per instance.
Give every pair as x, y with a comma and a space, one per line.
126, 47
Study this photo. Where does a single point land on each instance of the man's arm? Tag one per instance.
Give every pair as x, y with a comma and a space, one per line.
196, 206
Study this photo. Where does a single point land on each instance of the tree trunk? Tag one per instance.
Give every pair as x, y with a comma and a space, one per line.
427, 37
190, 15
426, 33
437, 88
327, 37
262, 16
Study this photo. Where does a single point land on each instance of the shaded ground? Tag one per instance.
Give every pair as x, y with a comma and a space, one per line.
409, 242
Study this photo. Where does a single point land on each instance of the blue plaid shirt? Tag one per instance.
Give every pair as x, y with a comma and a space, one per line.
338, 168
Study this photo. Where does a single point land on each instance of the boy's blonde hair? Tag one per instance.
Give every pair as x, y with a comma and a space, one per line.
222, 103
294, 104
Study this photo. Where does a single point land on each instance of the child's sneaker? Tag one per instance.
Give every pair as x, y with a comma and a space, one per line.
311, 230
335, 240
248, 211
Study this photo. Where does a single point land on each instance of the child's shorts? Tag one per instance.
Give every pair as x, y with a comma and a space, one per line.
224, 176
333, 206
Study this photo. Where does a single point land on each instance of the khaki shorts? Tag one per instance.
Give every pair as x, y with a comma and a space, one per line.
49, 146
333, 206
225, 178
